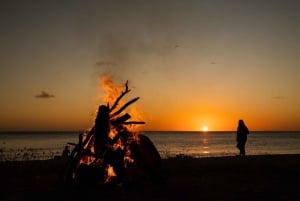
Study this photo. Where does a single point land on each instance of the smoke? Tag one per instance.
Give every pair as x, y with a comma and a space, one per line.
105, 63
129, 38
126, 56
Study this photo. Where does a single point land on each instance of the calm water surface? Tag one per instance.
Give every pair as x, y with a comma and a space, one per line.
46, 145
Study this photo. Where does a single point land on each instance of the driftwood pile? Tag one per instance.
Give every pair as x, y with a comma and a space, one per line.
111, 152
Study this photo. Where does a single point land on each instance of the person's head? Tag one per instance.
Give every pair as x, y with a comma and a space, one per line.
67, 147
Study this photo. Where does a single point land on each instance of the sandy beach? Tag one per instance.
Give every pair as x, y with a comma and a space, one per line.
264, 177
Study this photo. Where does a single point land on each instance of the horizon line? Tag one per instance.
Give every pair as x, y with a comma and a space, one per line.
163, 131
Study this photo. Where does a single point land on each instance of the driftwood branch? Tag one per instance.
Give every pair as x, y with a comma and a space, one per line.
121, 119
119, 98
125, 106
133, 122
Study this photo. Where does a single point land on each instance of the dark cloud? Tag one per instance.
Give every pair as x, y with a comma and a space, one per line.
44, 94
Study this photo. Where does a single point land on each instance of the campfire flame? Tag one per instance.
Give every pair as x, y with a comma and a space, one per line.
111, 93
110, 89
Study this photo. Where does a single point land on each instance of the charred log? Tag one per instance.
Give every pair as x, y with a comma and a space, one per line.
101, 128
124, 107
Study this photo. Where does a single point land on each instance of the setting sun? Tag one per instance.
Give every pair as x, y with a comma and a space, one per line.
204, 128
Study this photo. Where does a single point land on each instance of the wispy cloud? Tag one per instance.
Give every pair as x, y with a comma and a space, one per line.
106, 63
278, 97
44, 94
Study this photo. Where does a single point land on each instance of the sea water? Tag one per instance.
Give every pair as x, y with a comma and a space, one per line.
47, 145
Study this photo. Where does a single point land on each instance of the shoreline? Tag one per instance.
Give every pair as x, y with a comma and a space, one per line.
256, 177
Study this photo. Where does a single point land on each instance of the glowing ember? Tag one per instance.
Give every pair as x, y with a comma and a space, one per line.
111, 175
110, 171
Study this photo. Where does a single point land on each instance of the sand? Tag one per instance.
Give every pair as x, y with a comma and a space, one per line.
265, 177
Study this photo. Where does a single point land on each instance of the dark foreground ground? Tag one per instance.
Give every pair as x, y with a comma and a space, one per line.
271, 177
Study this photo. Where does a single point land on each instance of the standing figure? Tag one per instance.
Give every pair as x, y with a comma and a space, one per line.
66, 152
241, 137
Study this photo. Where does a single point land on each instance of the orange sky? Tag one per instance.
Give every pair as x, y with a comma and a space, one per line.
192, 63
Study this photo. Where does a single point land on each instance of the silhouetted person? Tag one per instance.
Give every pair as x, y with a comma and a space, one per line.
66, 152
241, 137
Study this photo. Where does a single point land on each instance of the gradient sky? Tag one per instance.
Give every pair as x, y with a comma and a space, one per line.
192, 63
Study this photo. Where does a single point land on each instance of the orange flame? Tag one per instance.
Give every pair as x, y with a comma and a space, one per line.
111, 90
110, 174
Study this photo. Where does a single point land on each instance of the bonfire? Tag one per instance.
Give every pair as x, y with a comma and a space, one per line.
112, 151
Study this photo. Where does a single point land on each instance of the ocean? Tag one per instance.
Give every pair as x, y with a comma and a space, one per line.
46, 145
